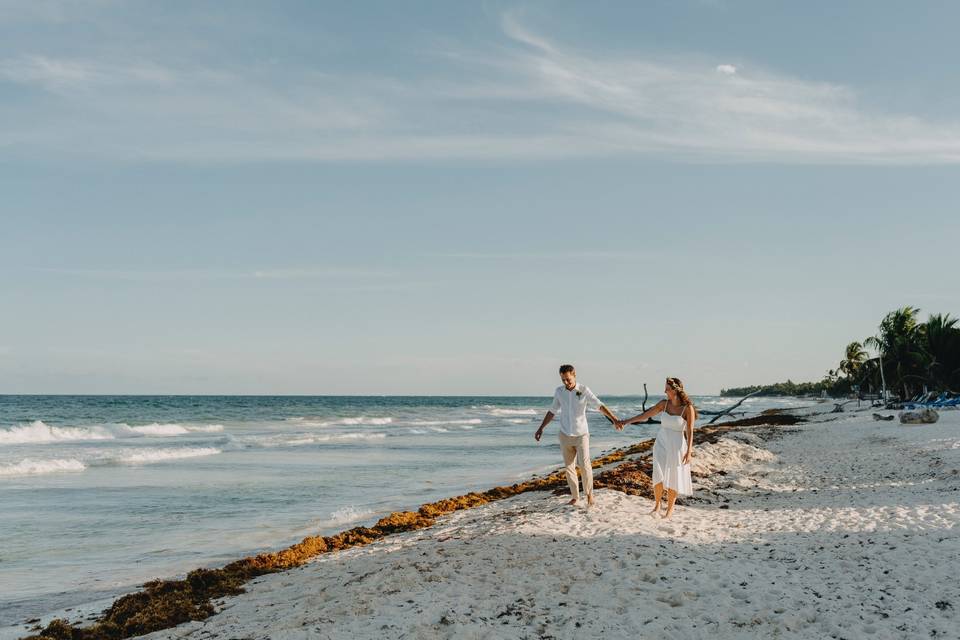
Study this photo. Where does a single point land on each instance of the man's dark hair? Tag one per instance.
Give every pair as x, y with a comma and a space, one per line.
567, 368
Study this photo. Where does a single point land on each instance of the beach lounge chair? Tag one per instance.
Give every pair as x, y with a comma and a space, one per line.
926, 401
947, 402
943, 401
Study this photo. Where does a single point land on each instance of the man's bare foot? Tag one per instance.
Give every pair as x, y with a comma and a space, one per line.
590, 501
574, 501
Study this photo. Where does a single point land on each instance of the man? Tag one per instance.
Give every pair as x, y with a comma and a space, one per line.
570, 400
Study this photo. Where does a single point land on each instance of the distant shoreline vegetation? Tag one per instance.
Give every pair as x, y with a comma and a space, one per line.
918, 357
788, 388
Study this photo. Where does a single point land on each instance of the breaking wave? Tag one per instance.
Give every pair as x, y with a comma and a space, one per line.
346, 515
341, 422
303, 439
35, 466
38, 432
30, 467
148, 456
513, 412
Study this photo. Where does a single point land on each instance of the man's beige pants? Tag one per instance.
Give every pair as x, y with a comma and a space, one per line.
576, 453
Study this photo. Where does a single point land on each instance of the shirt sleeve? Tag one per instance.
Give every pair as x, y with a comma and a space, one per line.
592, 398
555, 407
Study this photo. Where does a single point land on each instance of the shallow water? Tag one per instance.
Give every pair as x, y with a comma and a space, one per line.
100, 493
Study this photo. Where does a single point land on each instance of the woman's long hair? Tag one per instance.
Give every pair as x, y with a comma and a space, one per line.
677, 386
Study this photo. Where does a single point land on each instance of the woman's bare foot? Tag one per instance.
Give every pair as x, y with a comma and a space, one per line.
655, 510
668, 513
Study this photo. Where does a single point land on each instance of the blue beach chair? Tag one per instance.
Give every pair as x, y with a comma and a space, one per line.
946, 403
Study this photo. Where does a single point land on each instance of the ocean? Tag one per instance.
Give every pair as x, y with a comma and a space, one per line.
99, 494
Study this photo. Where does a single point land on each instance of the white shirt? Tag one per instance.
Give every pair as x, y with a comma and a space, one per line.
572, 408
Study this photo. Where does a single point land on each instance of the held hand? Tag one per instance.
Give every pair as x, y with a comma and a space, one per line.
619, 424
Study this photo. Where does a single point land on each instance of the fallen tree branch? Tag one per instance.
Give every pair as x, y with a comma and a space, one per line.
838, 406
645, 396
723, 413
643, 410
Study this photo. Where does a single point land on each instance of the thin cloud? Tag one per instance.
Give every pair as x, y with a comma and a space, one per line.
685, 107
333, 274
599, 256
61, 73
320, 272
526, 98
43, 71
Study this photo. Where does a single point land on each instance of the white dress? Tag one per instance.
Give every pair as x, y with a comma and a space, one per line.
668, 451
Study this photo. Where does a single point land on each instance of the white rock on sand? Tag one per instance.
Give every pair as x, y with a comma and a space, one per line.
843, 529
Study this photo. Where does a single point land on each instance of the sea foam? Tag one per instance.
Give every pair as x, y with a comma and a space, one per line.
419, 423
159, 429
345, 437
103, 458
148, 456
346, 515
514, 412
38, 432
304, 439
29, 466
206, 428
341, 422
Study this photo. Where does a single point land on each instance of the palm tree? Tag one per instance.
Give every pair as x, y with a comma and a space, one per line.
941, 345
900, 345
854, 357
870, 374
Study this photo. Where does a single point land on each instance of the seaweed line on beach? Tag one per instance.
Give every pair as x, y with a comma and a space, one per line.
163, 604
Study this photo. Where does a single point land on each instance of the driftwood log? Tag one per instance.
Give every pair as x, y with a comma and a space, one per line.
645, 396
838, 406
728, 410
643, 410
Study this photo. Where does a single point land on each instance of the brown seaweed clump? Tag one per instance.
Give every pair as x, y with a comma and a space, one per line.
167, 603
776, 419
163, 604
632, 477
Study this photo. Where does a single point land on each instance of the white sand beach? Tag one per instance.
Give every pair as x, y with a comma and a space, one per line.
838, 529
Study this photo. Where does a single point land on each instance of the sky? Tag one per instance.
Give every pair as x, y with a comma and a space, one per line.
453, 198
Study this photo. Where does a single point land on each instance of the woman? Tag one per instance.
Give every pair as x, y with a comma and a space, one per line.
673, 447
